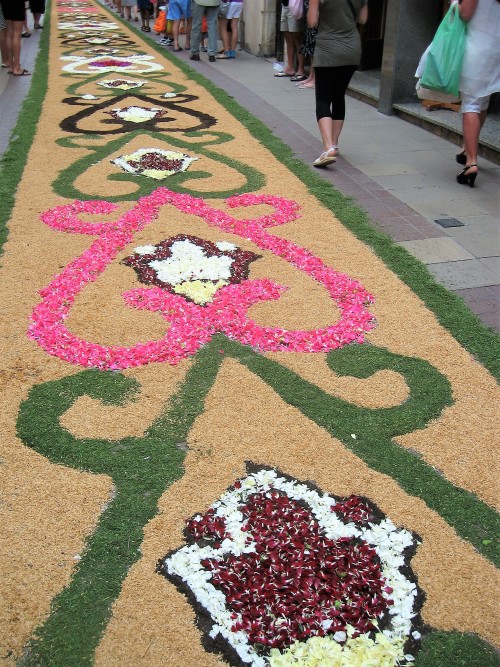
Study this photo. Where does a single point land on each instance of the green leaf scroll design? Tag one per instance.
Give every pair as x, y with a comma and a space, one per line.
64, 184
142, 468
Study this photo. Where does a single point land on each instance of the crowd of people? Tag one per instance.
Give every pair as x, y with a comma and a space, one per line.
323, 50
13, 27
327, 35
203, 22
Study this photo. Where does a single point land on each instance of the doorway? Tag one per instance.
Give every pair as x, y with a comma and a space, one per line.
372, 35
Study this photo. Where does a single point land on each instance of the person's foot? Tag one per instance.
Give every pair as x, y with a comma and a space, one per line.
326, 158
306, 84
211, 59
23, 72
468, 175
26, 33
194, 56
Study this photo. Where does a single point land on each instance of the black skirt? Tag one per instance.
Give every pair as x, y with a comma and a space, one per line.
37, 6
13, 10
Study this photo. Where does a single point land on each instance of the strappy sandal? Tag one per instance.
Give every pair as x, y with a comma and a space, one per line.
325, 158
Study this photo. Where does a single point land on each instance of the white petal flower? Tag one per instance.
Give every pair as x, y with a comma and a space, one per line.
190, 262
225, 245
146, 250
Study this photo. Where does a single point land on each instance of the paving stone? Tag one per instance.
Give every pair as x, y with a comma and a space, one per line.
463, 274
437, 250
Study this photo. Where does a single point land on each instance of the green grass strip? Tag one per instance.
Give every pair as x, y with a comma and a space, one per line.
453, 649
374, 429
141, 469
16, 155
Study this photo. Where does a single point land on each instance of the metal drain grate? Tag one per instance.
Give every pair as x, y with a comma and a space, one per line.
449, 222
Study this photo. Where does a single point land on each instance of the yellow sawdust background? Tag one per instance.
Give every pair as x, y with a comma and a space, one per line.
48, 511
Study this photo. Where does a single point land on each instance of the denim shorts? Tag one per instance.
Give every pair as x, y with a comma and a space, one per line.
178, 9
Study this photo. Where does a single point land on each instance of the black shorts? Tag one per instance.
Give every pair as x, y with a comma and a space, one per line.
13, 10
37, 6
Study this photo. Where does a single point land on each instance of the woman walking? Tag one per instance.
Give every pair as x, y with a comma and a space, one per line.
336, 57
480, 77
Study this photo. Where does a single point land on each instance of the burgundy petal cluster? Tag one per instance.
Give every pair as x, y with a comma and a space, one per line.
115, 83
298, 583
110, 62
208, 527
354, 509
156, 161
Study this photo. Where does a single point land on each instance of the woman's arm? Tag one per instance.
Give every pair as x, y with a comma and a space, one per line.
363, 15
313, 14
467, 9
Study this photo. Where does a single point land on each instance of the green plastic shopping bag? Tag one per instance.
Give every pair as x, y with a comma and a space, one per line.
444, 59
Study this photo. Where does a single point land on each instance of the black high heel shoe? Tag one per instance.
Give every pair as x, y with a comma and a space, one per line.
461, 158
467, 179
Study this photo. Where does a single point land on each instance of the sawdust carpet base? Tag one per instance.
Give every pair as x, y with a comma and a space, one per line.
188, 317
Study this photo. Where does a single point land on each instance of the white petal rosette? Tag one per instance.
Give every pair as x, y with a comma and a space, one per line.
154, 162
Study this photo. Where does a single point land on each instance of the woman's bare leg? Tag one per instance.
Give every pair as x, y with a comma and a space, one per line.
472, 123
234, 33
224, 34
14, 31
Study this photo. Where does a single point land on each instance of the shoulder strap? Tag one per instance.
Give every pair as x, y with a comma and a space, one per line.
354, 15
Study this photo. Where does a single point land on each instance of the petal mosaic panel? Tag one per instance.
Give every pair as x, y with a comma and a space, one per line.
251, 325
